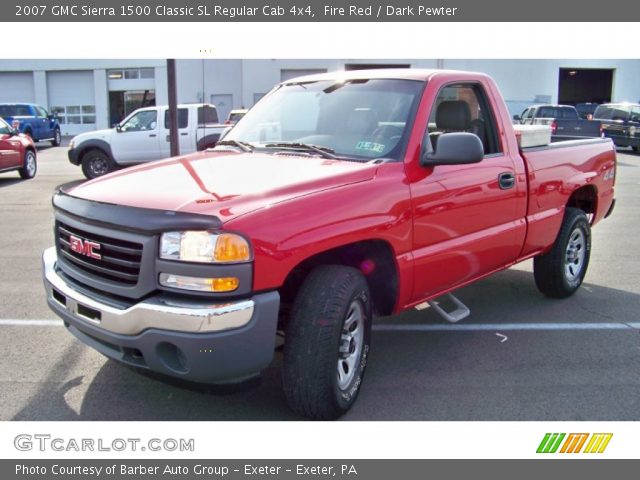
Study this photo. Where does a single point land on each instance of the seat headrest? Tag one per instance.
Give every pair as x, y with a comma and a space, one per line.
453, 115
362, 121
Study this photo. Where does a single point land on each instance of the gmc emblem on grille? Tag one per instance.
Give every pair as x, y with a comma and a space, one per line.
84, 247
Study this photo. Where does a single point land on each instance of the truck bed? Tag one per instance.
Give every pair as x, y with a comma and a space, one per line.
553, 171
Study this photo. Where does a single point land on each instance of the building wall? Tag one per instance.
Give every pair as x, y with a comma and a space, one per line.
239, 83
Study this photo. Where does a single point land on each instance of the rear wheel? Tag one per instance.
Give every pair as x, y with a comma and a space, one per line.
636, 148
560, 272
29, 166
327, 342
57, 138
96, 163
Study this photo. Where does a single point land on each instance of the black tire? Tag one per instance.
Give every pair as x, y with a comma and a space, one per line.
57, 138
29, 166
315, 334
560, 272
96, 163
635, 149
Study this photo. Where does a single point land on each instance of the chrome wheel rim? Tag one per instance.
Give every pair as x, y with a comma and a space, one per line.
98, 166
31, 164
575, 255
351, 344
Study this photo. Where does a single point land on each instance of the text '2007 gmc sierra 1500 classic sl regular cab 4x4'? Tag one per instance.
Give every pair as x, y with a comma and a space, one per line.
338, 197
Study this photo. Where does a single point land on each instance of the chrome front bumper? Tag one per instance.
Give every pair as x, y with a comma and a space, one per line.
193, 340
155, 312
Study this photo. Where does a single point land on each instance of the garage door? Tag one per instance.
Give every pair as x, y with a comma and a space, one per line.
17, 87
72, 97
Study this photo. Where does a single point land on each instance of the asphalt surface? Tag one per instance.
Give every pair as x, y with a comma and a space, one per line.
560, 370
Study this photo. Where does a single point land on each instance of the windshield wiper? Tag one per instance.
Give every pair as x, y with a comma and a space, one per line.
324, 152
244, 146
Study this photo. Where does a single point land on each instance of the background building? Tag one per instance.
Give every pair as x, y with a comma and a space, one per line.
90, 94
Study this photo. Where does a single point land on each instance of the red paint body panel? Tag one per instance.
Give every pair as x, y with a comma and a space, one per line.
447, 226
12, 150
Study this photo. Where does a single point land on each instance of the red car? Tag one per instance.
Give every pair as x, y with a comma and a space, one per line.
17, 152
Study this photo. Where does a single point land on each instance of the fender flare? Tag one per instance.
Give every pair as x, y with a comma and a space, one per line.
94, 144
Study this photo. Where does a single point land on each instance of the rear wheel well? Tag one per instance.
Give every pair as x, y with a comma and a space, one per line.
586, 199
374, 258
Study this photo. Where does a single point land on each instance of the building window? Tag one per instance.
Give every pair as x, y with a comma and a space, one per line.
75, 114
131, 73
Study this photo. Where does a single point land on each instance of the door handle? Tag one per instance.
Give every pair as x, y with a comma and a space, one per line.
184, 134
153, 135
506, 180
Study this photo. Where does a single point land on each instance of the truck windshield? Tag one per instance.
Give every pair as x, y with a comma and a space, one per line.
357, 119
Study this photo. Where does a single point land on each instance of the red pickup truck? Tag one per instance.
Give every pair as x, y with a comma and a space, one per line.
336, 198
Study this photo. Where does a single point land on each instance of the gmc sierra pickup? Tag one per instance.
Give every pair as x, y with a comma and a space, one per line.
338, 197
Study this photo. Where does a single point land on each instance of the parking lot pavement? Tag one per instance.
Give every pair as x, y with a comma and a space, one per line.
519, 356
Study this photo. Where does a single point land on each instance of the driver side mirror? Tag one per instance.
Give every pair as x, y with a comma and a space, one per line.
459, 148
118, 127
517, 118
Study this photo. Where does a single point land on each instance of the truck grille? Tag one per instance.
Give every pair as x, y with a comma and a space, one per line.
119, 262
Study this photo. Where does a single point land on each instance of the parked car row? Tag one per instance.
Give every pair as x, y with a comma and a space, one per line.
564, 120
618, 121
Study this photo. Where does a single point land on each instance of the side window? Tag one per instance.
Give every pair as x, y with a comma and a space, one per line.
207, 115
145, 120
4, 128
464, 108
531, 112
183, 118
41, 112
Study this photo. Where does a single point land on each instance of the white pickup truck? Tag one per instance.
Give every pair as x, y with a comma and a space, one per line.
144, 136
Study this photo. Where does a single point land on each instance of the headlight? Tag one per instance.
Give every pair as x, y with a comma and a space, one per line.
204, 247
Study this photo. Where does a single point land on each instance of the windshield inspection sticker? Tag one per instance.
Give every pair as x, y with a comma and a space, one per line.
371, 146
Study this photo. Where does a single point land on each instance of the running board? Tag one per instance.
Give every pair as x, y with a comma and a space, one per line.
460, 312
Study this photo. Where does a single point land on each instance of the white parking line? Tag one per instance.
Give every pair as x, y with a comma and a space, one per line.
503, 327
9, 322
401, 327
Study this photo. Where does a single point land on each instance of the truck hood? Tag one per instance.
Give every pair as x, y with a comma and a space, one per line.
96, 134
223, 184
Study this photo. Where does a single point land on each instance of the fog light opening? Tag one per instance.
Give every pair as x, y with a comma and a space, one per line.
172, 357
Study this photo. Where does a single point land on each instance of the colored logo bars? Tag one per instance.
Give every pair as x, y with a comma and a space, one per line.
595, 443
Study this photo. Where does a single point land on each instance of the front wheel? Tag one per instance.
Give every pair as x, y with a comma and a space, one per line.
636, 148
96, 163
327, 342
560, 272
29, 166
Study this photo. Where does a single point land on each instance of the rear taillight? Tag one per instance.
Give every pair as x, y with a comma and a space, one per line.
554, 127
